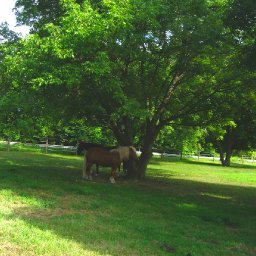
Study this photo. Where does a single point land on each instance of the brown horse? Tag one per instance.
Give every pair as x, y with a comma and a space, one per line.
83, 146
111, 159
99, 156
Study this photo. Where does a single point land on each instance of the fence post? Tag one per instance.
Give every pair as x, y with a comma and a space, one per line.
46, 145
8, 144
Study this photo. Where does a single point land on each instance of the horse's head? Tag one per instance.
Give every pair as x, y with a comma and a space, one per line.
79, 148
132, 153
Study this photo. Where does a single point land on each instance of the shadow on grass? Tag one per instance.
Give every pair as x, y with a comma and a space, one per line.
130, 218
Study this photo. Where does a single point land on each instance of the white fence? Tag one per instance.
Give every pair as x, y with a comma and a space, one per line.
205, 155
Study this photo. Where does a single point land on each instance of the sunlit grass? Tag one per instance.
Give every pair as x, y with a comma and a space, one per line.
186, 207
237, 174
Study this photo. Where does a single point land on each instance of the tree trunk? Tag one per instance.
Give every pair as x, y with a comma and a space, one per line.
131, 167
222, 159
124, 135
123, 132
145, 156
226, 146
227, 159
228, 154
151, 133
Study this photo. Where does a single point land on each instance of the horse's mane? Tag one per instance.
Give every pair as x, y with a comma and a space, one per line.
82, 145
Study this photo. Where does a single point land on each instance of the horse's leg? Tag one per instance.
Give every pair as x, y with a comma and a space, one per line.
125, 163
88, 175
112, 177
84, 167
97, 170
119, 171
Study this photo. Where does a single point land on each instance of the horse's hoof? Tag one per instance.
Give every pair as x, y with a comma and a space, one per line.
112, 180
87, 177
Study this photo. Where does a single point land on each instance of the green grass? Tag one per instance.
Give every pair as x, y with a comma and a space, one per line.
186, 207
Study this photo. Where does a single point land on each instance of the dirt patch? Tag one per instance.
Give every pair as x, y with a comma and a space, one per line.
47, 213
10, 249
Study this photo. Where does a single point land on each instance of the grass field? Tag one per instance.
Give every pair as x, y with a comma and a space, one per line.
183, 208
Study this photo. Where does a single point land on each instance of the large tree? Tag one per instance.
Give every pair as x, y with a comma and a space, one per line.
135, 66
36, 13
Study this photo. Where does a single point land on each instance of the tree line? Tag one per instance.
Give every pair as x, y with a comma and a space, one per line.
142, 73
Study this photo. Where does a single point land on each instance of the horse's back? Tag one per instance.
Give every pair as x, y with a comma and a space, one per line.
126, 152
103, 157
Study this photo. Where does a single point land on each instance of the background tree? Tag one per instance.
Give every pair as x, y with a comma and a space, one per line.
181, 140
241, 19
241, 23
238, 134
